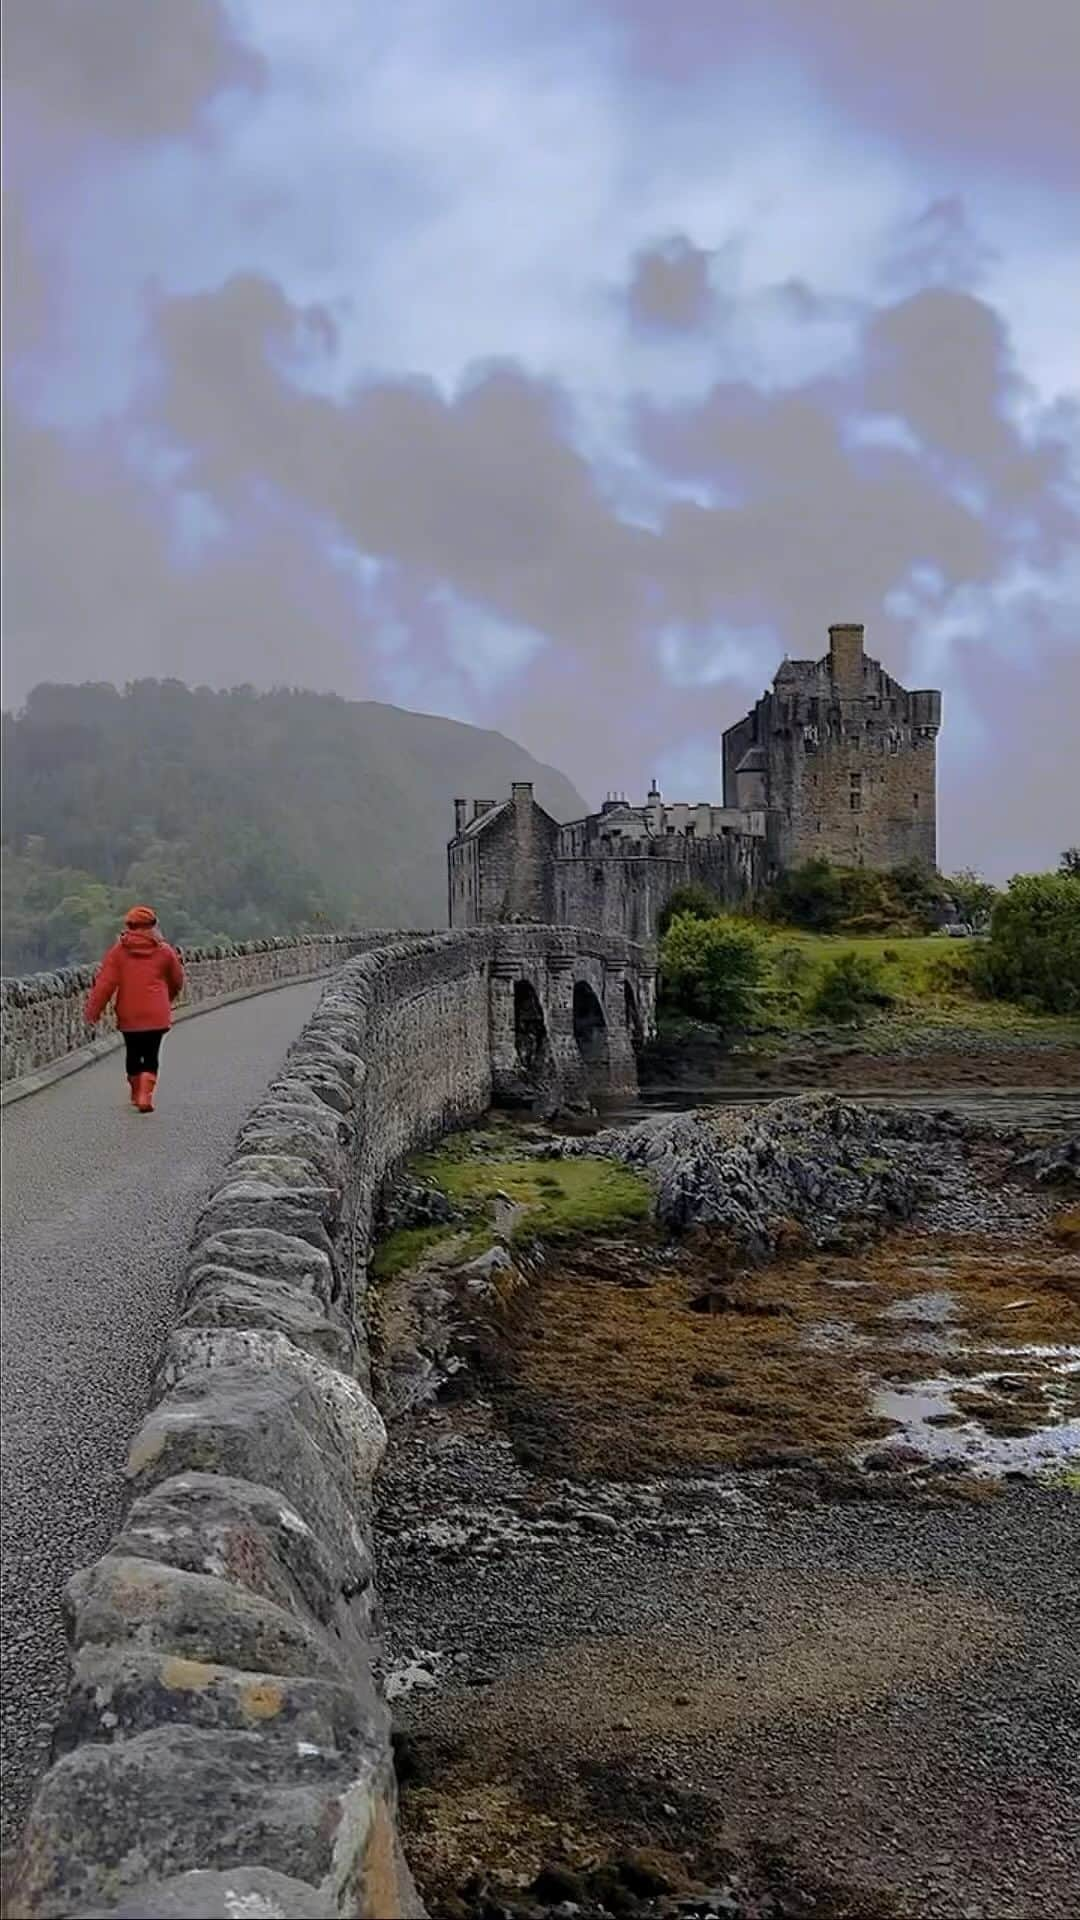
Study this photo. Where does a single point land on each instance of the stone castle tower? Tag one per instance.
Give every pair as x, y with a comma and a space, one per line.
842, 759
837, 761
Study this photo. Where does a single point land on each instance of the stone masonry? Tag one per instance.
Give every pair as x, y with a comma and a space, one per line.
842, 758
837, 761
225, 1746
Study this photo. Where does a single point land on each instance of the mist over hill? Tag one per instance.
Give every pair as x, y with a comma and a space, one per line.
236, 814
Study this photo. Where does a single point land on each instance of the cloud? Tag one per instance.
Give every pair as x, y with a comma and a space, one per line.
485, 490
103, 68
939, 247
98, 586
983, 81
1009, 800
25, 283
669, 287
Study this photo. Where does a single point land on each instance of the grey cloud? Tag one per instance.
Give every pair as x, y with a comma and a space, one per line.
938, 247
669, 286
1013, 806
486, 490
95, 587
101, 66
941, 362
26, 294
990, 79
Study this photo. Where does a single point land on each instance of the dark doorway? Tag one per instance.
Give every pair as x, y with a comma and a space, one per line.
590, 1027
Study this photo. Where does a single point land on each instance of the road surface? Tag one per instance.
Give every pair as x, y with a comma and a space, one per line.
99, 1203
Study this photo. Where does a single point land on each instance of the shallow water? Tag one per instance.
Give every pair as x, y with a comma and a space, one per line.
918, 1407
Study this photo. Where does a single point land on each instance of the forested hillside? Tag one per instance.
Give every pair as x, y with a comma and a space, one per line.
235, 814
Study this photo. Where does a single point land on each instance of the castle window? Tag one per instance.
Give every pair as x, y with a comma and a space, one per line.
915, 801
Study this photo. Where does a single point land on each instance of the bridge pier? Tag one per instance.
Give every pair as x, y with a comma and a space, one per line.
622, 1042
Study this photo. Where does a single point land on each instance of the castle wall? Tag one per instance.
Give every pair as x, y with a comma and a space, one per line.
627, 892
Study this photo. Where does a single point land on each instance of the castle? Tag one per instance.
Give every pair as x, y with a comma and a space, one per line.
836, 761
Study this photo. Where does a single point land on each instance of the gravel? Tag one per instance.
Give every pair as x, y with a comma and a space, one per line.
887, 1695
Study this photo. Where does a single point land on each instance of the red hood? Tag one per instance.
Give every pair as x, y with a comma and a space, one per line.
141, 941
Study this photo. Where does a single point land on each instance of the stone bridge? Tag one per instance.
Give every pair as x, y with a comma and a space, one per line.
219, 1735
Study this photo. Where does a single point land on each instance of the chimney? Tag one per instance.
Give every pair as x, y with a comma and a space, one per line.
846, 660
461, 815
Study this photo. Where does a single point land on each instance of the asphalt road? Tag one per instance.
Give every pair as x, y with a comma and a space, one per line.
99, 1203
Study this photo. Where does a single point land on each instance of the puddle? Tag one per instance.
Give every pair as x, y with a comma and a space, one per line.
929, 1420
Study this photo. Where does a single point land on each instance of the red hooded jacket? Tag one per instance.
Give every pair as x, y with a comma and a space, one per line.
145, 975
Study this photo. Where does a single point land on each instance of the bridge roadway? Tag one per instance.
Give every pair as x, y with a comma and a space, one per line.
99, 1204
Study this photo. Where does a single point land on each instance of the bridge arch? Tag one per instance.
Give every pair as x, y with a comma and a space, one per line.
531, 1041
590, 1028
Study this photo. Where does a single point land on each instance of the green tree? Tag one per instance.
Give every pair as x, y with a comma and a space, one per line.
973, 897
1070, 863
712, 970
1033, 953
699, 901
825, 899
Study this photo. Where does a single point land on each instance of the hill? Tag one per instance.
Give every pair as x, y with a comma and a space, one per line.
236, 814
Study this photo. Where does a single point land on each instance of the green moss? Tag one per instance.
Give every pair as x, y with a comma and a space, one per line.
1068, 1478
404, 1247
561, 1197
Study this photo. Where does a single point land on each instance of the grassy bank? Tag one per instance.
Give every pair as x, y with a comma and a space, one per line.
555, 1200
922, 976
931, 1007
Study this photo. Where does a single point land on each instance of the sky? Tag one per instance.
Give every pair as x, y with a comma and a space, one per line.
558, 365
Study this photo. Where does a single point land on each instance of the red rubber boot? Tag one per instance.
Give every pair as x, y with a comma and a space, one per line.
147, 1083
133, 1083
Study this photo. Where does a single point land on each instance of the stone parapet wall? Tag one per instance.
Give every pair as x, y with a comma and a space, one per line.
42, 1013
225, 1746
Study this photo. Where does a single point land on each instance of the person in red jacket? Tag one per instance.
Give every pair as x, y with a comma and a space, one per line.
145, 975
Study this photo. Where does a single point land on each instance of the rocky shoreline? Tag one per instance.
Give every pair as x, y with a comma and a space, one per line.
678, 1622
812, 1166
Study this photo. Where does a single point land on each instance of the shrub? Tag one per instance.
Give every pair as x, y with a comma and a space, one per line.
827, 899
790, 967
850, 987
713, 970
808, 896
696, 900
1033, 953
950, 972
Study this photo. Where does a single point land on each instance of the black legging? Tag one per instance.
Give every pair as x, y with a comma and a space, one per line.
142, 1050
